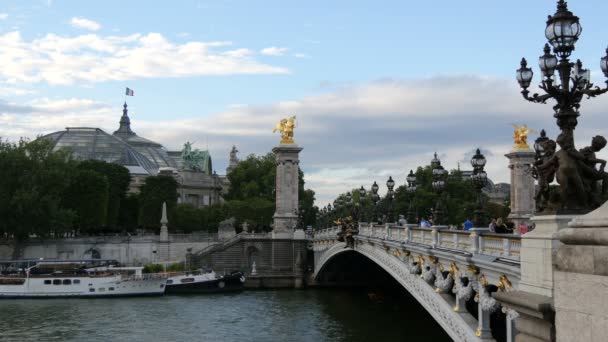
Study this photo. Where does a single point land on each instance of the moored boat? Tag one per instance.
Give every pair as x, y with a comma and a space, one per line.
205, 281
76, 278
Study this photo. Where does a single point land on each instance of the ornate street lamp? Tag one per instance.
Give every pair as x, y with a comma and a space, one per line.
375, 199
567, 89
479, 179
411, 188
438, 185
362, 193
390, 184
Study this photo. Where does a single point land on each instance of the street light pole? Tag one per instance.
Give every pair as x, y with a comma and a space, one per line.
411, 189
390, 184
375, 198
362, 193
479, 178
439, 175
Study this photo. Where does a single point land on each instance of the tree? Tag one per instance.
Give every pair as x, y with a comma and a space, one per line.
187, 218
129, 212
33, 179
155, 191
87, 195
253, 177
118, 180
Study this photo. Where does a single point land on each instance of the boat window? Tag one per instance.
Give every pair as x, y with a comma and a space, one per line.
67, 282
187, 280
56, 281
91, 290
102, 289
170, 281
12, 281
111, 288
47, 282
76, 281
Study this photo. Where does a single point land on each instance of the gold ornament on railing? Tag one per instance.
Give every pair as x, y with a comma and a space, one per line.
504, 283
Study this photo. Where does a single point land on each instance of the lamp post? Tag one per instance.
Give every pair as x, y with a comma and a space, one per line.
439, 175
411, 189
390, 184
568, 89
375, 199
479, 179
362, 193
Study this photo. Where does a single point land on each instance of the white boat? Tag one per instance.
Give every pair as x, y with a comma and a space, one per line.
205, 281
80, 278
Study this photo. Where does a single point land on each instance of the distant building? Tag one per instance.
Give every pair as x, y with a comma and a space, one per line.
497, 193
199, 185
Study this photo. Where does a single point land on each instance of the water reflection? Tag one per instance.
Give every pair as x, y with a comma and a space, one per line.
287, 315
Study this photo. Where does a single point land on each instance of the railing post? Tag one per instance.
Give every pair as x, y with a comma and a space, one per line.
474, 241
387, 234
407, 235
435, 236
483, 329
506, 247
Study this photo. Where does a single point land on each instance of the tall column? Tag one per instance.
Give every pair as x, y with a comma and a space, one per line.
522, 185
287, 184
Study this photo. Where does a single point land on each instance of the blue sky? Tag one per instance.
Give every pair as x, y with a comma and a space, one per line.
378, 86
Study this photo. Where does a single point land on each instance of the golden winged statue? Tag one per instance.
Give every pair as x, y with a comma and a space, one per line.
286, 127
520, 137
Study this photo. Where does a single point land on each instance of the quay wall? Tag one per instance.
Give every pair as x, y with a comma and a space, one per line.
130, 250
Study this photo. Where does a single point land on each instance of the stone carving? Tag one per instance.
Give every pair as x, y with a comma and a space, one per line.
286, 128
463, 287
193, 159
576, 173
233, 152
520, 137
443, 280
226, 229
348, 230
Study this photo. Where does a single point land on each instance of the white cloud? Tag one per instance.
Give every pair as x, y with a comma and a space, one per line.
93, 58
274, 51
352, 135
3, 16
84, 23
301, 55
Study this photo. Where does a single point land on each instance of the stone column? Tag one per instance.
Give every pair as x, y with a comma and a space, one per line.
581, 279
522, 186
285, 217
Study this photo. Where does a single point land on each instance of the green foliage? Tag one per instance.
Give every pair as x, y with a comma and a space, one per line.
118, 180
33, 180
155, 191
129, 212
187, 218
253, 177
153, 268
87, 195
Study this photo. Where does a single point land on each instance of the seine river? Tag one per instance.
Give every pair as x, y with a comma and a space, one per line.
273, 315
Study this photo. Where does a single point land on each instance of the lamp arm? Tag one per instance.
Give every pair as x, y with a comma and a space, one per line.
591, 91
536, 98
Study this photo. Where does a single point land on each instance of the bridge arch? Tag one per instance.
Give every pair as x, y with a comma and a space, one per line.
459, 326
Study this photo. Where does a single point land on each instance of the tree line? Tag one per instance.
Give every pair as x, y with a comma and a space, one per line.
49, 193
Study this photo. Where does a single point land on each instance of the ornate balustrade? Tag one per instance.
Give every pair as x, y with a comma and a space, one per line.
476, 241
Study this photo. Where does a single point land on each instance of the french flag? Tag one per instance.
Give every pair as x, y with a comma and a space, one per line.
129, 92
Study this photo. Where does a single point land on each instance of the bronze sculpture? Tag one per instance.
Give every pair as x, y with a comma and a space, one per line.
286, 128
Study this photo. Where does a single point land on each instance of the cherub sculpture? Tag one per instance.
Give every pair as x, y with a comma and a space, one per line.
545, 173
286, 127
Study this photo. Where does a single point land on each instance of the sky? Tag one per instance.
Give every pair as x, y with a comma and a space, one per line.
377, 86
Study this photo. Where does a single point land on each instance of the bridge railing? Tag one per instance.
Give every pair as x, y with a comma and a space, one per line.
474, 241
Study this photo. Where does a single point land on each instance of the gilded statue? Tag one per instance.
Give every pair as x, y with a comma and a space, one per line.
286, 127
520, 137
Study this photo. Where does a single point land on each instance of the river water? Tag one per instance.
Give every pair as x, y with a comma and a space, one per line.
272, 315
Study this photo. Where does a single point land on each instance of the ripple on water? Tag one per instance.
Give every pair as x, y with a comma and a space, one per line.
286, 315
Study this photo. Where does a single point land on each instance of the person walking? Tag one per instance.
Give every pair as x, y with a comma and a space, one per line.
467, 224
492, 226
501, 227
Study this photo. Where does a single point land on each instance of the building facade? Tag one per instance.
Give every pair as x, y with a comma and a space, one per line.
199, 185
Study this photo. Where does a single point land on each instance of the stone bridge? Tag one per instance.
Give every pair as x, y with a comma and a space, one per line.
446, 271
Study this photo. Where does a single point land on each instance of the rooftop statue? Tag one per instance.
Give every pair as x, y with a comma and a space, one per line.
520, 137
286, 127
193, 159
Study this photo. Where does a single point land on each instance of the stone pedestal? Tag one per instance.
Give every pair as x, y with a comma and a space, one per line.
533, 301
581, 279
522, 186
285, 216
